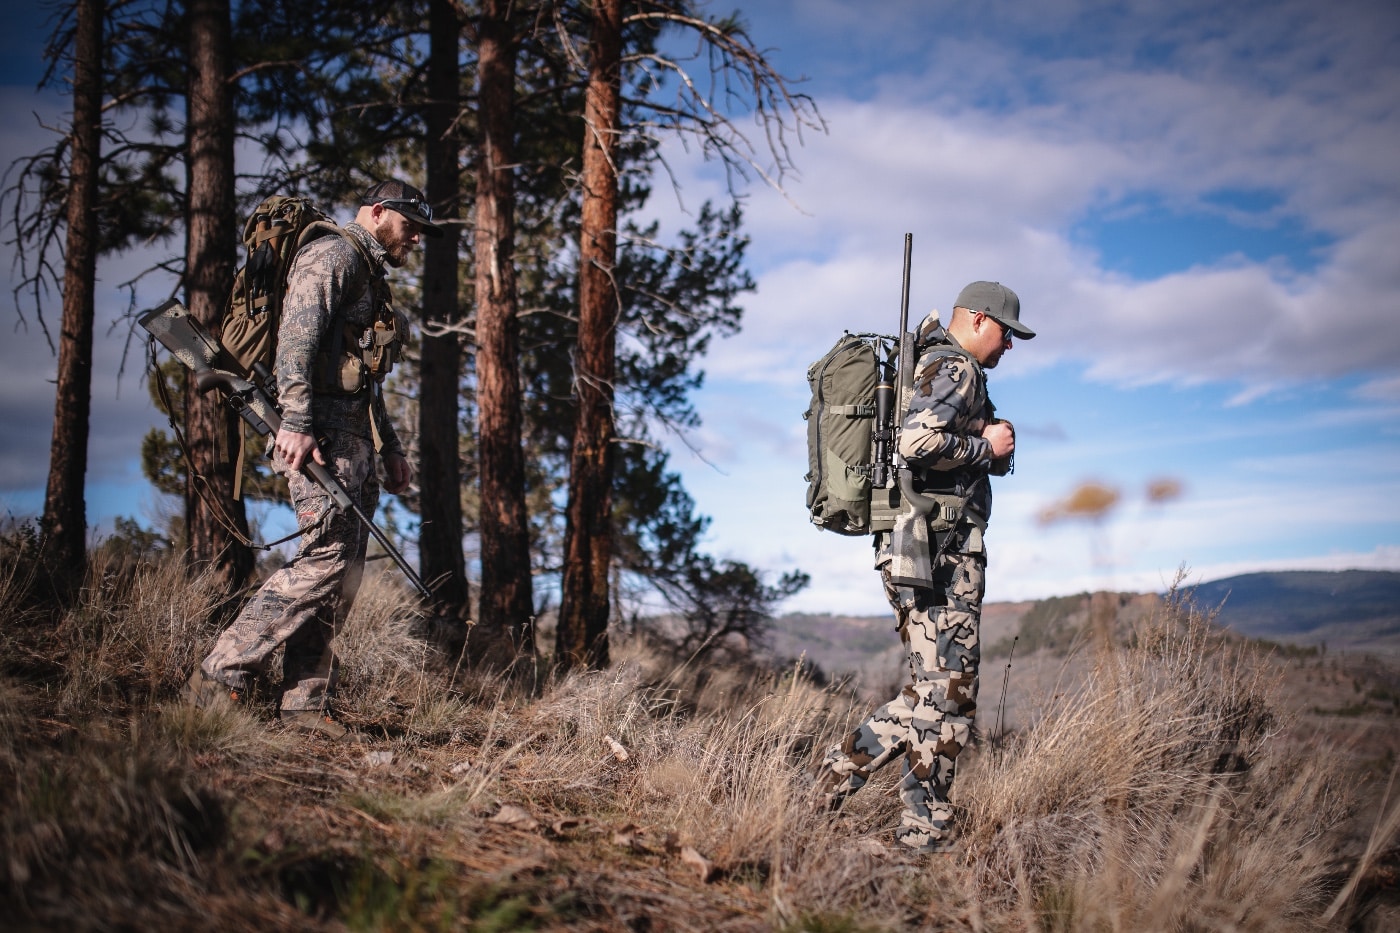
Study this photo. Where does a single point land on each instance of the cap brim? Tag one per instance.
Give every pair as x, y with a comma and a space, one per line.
1018, 330
431, 229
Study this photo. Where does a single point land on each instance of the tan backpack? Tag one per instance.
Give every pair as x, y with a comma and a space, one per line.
277, 229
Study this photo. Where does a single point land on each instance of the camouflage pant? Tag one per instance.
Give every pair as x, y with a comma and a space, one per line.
302, 605
930, 721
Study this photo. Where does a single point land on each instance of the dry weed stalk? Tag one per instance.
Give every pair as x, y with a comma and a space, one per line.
1383, 834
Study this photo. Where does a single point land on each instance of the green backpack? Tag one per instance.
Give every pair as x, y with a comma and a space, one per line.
278, 227
841, 432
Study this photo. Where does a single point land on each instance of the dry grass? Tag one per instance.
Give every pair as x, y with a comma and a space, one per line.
1164, 791
1161, 794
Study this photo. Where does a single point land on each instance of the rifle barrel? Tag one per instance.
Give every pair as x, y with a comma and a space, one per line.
904, 291
904, 386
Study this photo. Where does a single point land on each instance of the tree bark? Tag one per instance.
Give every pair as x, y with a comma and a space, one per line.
65, 509
507, 596
441, 560
585, 604
215, 521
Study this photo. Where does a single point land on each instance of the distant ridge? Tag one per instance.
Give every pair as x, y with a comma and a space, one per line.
1348, 609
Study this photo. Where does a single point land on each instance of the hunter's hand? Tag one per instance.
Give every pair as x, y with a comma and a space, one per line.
1002, 437
294, 448
398, 473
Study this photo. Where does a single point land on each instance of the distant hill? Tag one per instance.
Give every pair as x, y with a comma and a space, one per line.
1353, 611
867, 646
870, 648
1348, 610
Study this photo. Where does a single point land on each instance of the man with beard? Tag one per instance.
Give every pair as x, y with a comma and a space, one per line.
951, 441
338, 337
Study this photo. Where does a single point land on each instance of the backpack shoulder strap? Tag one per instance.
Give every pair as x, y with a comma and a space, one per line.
946, 348
315, 230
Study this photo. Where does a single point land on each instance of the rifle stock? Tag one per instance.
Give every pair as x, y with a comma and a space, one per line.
191, 344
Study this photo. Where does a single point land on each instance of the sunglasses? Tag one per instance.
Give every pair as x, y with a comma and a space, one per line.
1006, 333
416, 207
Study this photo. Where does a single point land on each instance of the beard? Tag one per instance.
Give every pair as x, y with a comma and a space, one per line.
397, 243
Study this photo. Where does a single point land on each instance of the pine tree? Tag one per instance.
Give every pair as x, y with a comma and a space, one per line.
506, 604
441, 559
216, 524
724, 45
65, 512
584, 606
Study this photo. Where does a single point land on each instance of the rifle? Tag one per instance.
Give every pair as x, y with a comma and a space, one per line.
910, 563
886, 503
192, 345
908, 358
892, 394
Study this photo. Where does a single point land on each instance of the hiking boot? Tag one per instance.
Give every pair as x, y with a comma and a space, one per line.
922, 842
205, 692
941, 847
315, 721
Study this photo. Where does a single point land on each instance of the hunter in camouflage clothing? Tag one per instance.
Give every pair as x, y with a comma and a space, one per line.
336, 340
951, 441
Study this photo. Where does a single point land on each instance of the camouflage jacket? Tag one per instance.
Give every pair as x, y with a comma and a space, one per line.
330, 292
941, 435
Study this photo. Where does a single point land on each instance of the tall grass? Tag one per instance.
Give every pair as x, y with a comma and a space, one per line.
1163, 793
1164, 790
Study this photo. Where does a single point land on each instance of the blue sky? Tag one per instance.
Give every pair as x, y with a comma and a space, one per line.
1198, 205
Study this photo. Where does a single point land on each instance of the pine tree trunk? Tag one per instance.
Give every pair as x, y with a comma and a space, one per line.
215, 521
507, 596
441, 560
65, 510
585, 605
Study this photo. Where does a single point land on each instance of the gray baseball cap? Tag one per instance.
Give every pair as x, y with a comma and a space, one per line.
997, 302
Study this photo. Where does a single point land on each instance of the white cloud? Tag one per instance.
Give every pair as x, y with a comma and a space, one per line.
1385, 389
997, 193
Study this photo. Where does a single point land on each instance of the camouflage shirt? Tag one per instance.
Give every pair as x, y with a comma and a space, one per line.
941, 436
329, 286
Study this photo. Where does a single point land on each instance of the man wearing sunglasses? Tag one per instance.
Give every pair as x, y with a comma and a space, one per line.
951, 442
338, 338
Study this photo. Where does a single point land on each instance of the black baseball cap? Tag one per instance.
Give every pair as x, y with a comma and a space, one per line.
403, 198
997, 302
